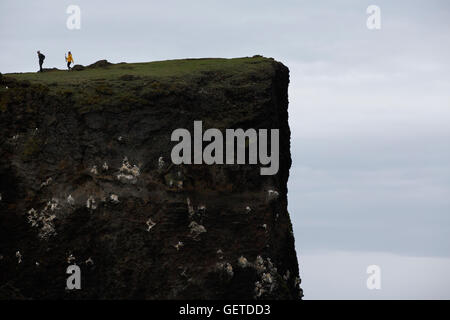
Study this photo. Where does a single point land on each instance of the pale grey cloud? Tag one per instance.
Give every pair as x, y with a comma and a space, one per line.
342, 275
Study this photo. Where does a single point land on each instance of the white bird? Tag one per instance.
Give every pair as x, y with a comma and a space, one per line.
19, 257
161, 162
70, 258
267, 278
179, 245
46, 182
94, 170
70, 200
90, 203
242, 261
150, 224
114, 198
272, 194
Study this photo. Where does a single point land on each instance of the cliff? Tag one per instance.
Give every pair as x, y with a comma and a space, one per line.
86, 178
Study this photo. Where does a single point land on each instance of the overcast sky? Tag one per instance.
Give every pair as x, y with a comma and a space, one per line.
369, 113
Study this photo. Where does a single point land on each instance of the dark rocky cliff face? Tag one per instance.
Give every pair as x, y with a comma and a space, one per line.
82, 182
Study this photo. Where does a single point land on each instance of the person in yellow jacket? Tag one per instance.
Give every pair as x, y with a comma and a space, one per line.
69, 60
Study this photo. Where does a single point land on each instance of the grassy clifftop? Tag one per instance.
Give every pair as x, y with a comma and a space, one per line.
172, 69
103, 85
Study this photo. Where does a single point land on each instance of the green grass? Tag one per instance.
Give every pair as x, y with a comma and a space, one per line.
157, 70
133, 84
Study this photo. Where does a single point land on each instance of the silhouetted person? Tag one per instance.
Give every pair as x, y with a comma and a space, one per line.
69, 60
41, 60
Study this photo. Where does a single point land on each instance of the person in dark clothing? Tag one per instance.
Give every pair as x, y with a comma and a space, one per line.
41, 60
